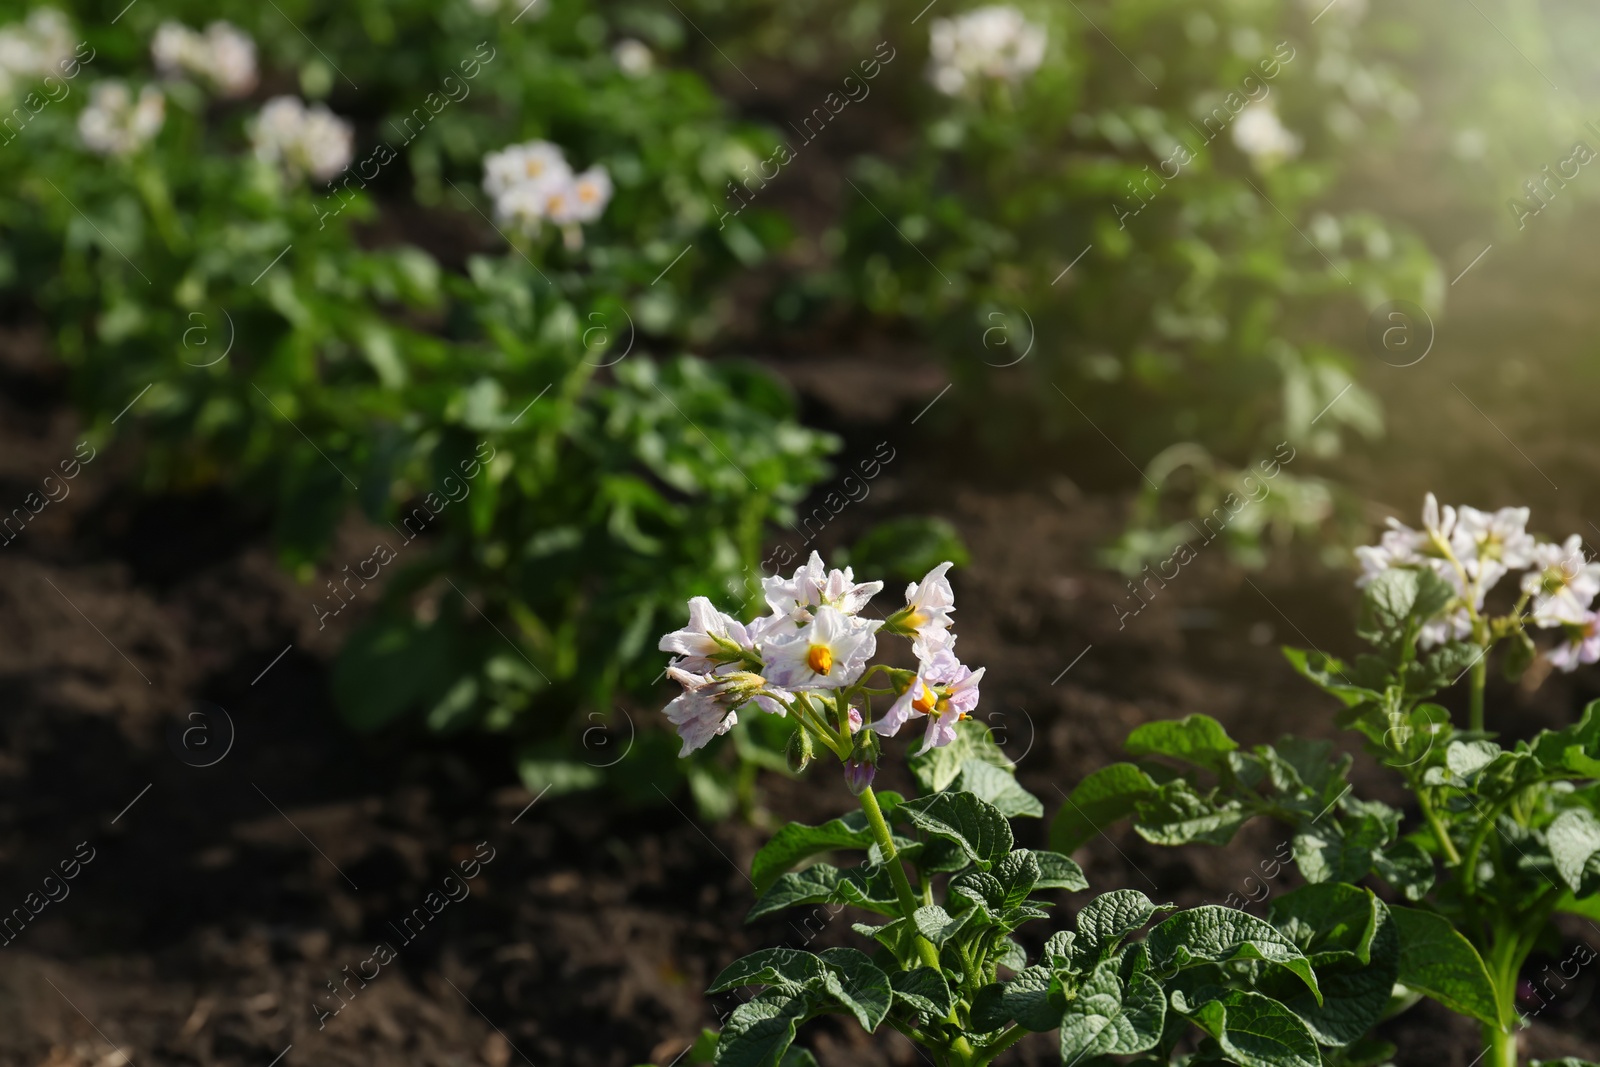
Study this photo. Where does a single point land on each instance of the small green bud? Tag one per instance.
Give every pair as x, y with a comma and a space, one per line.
800, 750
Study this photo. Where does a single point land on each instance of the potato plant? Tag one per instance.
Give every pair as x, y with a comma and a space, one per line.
235, 277
1498, 835
1205, 985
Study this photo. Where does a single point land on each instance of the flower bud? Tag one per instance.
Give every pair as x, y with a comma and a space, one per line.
799, 751
858, 775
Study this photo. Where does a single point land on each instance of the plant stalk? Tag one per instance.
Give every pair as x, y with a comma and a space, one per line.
959, 1046
1480, 679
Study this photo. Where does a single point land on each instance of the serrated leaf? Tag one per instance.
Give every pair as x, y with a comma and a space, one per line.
1197, 739
1257, 1031
1217, 935
1437, 961
924, 990
1110, 917
1106, 796
1058, 872
975, 826
855, 981
998, 787
786, 969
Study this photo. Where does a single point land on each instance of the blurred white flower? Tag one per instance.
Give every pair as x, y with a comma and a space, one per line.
1582, 644
224, 56
633, 57
302, 140
1259, 134
1489, 543
995, 43
115, 124
35, 47
1563, 583
533, 182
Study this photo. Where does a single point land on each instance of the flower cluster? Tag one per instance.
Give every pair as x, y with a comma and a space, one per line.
116, 123
34, 48
1473, 550
302, 140
533, 182
993, 43
811, 659
1259, 134
224, 56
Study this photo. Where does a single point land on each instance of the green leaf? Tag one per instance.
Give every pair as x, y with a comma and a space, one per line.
1109, 918
814, 885
1107, 1019
998, 787
1026, 999
1466, 758
1397, 598
787, 969
935, 770
1058, 872
1437, 961
798, 1057
1106, 796
795, 842
1177, 815
1331, 851
857, 983
924, 990
1575, 748
937, 925
760, 1031
1406, 868
1217, 935
1257, 1031
1574, 840
1351, 938
975, 826
1017, 874
1197, 739
1331, 676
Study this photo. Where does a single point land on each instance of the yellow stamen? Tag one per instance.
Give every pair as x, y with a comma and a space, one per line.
588, 193
820, 659
924, 702
534, 167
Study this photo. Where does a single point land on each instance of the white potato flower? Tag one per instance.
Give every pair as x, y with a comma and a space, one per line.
224, 56
633, 57
116, 123
532, 183
302, 140
995, 43
1261, 135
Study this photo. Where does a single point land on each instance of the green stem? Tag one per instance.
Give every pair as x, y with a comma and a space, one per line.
1008, 1037
1480, 678
959, 1046
1439, 832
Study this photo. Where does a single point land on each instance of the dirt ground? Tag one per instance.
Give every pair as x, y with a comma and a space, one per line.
226, 908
